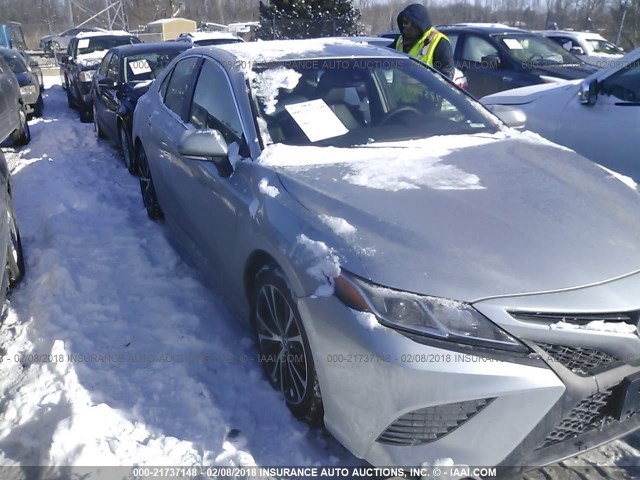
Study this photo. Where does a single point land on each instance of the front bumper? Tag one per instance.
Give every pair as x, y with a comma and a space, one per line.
375, 380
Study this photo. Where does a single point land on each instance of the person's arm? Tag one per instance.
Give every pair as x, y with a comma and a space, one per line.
443, 59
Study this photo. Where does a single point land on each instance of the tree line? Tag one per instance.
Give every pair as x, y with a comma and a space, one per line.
41, 17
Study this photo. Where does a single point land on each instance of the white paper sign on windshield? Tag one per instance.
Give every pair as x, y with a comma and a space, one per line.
139, 67
513, 44
316, 119
83, 43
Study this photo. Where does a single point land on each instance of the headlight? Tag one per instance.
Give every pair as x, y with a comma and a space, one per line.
28, 90
86, 76
423, 315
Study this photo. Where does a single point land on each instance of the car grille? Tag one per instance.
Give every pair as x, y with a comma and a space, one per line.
429, 424
576, 318
581, 361
590, 414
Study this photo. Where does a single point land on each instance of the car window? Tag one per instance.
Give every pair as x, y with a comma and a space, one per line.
536, 50
178, 85
453, 40
113, 68
624, 84
14, 60
476, 48
213, 106
146, 66
104, 64
566, 42
99, 44
603, 46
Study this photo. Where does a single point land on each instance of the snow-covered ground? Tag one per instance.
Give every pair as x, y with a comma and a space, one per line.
114, 352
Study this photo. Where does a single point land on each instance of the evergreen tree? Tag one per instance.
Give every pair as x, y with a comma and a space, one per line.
308, 19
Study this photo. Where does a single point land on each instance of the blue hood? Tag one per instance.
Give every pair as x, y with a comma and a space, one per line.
418, 14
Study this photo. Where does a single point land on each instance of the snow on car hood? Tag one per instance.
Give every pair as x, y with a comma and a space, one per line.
520, 96
91, 60
470, 217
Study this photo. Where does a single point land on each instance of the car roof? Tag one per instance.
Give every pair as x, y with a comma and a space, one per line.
571, 33
139, 48
489, 28
104, 33
195, 36
317, 48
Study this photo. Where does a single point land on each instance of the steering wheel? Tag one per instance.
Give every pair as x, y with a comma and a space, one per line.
535, 55
398, 111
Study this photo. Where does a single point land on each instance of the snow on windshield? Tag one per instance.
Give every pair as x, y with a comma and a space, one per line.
267, 84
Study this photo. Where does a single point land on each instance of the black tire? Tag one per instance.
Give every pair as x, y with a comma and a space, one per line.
15, 257
96, 124
22, 135
147, 189
283, 347
86, 115
38, 108
127, 150
70, 101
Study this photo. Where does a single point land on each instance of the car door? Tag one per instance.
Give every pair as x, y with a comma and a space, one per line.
6, 114
109, 97
98, 101
208, 201
165, 124
608, 131
484, 76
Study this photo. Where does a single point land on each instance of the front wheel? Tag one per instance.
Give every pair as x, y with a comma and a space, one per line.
147, 189
125, 147
283, 347
15, 258
22, 134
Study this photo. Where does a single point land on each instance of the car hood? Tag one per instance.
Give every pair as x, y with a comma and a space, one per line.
521, 96
469, 217
565, 72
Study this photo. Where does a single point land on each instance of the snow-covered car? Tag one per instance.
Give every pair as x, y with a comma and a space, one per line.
415, 272
52, 44
84, 55
13, 116
207, 39
590, 47
123, 77
11, 255
27, 79
598, 117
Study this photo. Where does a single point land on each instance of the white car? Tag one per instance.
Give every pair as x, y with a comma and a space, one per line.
598, 117
207, 39
590, 47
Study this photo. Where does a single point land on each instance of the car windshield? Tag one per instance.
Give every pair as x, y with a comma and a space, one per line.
344, 102
603, 46
536, 50
14, 61
99, 44
146, 66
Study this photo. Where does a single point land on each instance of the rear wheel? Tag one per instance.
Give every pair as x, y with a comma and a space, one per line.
125, 146
96, 124
38, 109
149, 197
86, 115
22, 135
15, 258
283, 347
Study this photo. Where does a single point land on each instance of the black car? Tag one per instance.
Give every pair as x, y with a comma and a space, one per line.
85, 52
13, 118
498, 57
28, 81
34, 67
123, 77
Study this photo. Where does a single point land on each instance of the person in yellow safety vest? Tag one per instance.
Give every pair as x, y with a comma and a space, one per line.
418, 38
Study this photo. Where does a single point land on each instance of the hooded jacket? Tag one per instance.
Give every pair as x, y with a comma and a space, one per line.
443, 55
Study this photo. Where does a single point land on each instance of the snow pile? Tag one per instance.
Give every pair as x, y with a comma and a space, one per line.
267, 84
326, 269
596, 325
340, 226
267, 189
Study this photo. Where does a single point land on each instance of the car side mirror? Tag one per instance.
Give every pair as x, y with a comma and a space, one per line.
588, 92
106, 83
207, 146
491, 61
577, 50
511, 116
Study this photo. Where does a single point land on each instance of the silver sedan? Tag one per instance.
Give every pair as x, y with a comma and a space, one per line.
424, 280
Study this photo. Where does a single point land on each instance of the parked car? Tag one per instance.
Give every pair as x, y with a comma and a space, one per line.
590, 47
84, 55
123, 77
34, 67
414, 272
13, 118
207, 39
496, 58
598, 117
11, 253
11, 36
28, 81
52, 44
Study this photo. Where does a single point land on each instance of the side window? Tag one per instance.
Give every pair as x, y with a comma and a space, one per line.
71, 48
213, 106
178, 84
453, 40
165, 84
476, 48
104, 64
624, 84
112, 70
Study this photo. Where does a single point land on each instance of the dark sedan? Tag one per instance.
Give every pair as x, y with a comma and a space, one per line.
123, 77
29, 82
498, 57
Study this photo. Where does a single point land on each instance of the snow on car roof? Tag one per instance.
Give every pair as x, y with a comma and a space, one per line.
571, 33
209, 35
283, 50
103, 33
